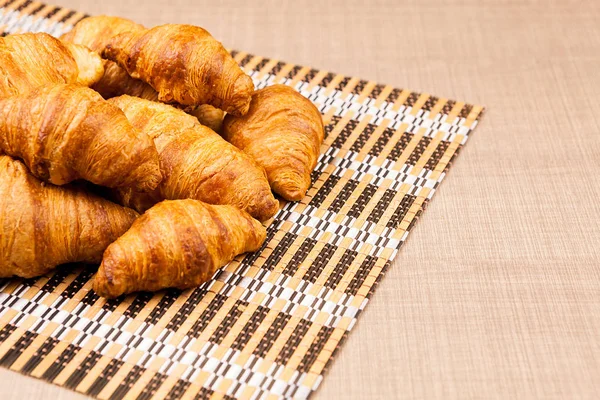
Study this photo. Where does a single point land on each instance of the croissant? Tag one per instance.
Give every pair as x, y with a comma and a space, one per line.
197, 163
68, 132
32, 60
43, 226
283, 131
179, 244
90, 66
95, 33
117, 82
209, 116
185, 64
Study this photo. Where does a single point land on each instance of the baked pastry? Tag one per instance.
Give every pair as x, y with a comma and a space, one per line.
283, 131
95, 33
196, 162
43, 226
185, 65
209, 116
179, 244
31, 60
68, 132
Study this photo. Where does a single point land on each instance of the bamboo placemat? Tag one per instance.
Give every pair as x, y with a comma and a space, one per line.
269, 324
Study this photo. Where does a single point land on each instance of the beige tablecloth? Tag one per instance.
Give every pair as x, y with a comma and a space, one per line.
509, 304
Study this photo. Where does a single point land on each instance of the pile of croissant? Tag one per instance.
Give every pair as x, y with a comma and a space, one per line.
109, 153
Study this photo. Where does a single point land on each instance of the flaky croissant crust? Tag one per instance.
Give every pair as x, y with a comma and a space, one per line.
31, 60
178, 244
283, 132
43, 226
197, 163
185, 64
68, 132
95, 33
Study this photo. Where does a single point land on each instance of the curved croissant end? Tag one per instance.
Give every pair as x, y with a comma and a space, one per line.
283, 131
185, 65
43, 226
68, 132
31, 60
90, 66
95, 32
197, 163
178, 243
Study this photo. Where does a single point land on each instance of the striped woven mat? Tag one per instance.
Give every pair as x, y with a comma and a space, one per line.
268, 324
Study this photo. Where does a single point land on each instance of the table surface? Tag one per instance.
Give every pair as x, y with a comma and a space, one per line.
496, 294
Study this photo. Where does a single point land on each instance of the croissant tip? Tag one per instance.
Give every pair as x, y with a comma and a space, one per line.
103, 283
98, 287
296, 195
150, 182
290, 191
266, 209
242, 89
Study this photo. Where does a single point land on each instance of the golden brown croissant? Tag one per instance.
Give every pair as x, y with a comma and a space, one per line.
283, 131
179, 244
89, 64
209, 116
43, 226
68, 132
95, 33
185, 64
196, 162
116, 81
32, 60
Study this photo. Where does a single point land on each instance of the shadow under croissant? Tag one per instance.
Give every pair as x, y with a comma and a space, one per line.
78, 277
75, 281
